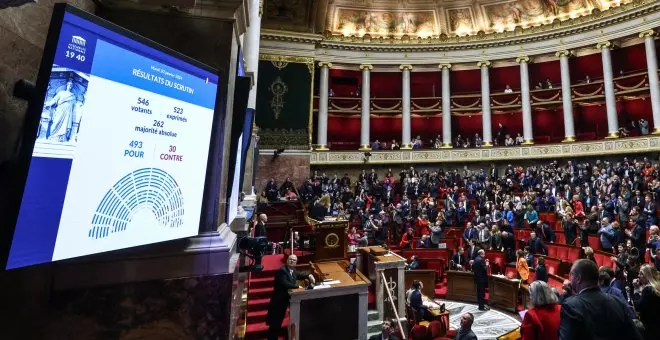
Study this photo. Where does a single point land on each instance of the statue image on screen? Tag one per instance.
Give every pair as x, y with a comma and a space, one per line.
63, 106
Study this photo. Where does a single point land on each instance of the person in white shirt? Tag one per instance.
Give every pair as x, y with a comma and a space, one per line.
508, 89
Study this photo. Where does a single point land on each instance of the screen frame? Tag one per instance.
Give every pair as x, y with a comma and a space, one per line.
15, 179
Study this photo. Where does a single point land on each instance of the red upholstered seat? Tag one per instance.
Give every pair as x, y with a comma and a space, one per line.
561, 238
437, 329
562, 252
552, 265
573, 254
550, 218
552, 251
594, 242
419, 332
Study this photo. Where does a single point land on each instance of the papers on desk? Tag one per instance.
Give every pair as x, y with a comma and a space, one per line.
522, 314
326, 284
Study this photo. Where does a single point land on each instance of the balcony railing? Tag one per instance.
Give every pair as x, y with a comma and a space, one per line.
633, 85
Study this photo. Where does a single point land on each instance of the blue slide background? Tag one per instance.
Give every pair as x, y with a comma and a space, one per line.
36, 229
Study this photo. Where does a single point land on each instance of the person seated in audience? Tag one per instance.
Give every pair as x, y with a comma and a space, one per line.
521, 267
478, 141
465, 332
589, 254
548, 83
394, 145
375, 145
592, 314
415, 300
587, 80
417, 143
647, 301
414, 263
541, 270
331, 93
424, 241
387, 329
290, 195
508, 89
542, 320
643, 125
519, 139
271, 191
539, 85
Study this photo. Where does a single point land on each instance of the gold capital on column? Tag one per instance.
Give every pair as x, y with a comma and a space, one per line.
447, 66
605, 44
523, 59
564, 53
325, 64
405, 67
483, 63
366, 66
647, 33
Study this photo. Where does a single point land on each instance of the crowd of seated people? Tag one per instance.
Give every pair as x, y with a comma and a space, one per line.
615, 200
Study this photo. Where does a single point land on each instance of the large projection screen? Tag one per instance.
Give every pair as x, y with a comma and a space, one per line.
119, 154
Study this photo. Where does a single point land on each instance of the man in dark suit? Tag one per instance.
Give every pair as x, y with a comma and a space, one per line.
479, 268
590, 313
387, 329
473, 250
260, 228
459, 260
465, 332
285, 279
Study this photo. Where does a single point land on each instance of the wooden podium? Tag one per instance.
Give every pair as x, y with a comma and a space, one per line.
376, 262
330, 238
502, 292
337, 310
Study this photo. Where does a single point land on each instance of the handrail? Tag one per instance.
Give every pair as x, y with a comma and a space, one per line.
292, 331
396, 314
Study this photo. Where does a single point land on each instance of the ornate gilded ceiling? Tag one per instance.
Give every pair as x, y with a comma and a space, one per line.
422, 18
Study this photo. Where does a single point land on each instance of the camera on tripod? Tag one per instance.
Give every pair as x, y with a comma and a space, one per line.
255, 248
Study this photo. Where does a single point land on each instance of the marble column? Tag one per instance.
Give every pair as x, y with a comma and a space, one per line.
528, 133
654, 84
405, 107
608, 82
322, 124
446, 107
487, 129
251, 42
365, 143
567, 101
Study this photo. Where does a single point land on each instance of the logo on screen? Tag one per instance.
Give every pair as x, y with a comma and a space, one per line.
77, 44
78, 40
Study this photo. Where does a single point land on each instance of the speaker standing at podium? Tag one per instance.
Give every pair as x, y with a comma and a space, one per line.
479, 267
285, 279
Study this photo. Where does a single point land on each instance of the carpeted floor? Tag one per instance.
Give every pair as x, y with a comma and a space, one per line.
260, 290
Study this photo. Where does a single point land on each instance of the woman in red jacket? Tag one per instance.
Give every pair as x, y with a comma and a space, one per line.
541, 322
